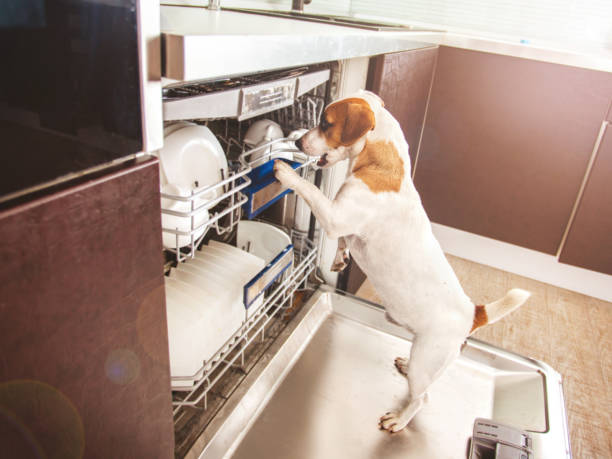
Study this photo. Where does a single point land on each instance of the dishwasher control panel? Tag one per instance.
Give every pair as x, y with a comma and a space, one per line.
492, 440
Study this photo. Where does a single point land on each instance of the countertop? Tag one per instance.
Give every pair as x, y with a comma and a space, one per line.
203, 44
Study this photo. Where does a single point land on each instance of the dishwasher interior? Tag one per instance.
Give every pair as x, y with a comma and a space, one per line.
266, 360
240, 251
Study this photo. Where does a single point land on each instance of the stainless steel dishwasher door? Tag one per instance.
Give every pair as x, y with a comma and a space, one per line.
332, 375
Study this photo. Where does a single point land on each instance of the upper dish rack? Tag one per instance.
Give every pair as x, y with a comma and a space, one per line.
244, 188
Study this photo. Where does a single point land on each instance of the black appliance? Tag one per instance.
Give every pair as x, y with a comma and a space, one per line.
69, 89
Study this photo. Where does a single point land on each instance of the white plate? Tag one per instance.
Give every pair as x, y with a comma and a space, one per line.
169, 129
239, 253
180, 223
175, 126
213, 277
211, 265
262, 240
243, 264
193, 158
186, 342
192, 286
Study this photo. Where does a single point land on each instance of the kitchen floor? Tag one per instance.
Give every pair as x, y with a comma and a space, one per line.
567, 330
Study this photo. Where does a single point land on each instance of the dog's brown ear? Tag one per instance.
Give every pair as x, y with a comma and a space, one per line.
359, 119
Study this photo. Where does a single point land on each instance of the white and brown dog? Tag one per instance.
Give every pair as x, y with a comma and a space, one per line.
378, 216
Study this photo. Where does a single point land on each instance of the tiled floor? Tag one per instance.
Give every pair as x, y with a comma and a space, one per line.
569, 331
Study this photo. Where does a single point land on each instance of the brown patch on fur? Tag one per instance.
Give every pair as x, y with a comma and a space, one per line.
380, 167
345, 121
480, 317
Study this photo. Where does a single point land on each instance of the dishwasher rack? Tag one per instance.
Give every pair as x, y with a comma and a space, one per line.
225, 210
254, 327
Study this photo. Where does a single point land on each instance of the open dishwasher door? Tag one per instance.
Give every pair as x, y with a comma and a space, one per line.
330, 375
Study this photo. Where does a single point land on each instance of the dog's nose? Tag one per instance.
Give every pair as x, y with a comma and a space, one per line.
298, 143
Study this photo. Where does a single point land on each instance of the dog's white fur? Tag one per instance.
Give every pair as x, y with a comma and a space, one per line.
390, 237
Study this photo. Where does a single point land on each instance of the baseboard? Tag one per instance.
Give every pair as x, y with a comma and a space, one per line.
524, 262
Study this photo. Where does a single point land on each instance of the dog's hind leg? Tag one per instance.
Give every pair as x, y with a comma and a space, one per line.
342, 256
401, 363
429, 357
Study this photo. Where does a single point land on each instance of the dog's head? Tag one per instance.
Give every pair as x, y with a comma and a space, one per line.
342, 130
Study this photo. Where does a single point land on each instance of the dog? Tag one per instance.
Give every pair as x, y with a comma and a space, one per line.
378, 218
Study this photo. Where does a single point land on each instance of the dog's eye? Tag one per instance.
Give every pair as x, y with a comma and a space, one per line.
324, 125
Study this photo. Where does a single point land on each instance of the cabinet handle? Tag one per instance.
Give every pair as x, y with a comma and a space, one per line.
585, 179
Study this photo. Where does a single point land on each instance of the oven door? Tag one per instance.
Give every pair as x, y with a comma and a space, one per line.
73, 88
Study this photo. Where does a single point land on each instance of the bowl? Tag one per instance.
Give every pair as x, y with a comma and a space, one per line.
261, 239
262, 131
192, 158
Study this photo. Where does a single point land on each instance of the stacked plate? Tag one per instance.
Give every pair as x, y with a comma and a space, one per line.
192, 159
204, 306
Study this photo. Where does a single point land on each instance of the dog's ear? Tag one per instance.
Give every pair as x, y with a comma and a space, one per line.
359, 119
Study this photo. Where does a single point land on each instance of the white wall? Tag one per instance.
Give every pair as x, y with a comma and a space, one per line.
574, 22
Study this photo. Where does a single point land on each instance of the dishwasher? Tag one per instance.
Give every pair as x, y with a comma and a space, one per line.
305, 370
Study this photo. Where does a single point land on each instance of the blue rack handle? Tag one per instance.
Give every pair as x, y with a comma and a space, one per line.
264, 278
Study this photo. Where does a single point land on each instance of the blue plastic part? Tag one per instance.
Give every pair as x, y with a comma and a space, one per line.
261, 177
263, 272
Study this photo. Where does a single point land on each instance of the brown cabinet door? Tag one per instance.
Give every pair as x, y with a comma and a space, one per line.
506, 144
403, 80
84, 370
589, 241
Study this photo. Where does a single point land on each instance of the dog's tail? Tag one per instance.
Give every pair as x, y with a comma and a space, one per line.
494, 311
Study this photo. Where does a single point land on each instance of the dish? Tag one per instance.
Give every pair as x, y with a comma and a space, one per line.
169, 129
262, 130
187, 344
243, 264
294, 135
193, 158
261, 239
217, 281
175, 126
180, 223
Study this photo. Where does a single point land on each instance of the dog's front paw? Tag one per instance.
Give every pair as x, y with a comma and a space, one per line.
392, 423
285, 174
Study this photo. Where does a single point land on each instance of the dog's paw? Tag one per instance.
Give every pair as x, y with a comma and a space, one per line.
401, 363
341, 261
337, 267
285, 174
392, 423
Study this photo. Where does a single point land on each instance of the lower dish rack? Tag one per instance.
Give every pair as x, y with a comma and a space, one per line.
277, 289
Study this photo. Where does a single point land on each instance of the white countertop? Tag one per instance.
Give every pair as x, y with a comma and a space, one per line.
204, 44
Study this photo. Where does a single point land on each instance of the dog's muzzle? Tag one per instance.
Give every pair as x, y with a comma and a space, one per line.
322, 160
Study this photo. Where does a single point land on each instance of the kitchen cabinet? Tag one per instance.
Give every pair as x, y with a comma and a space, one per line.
84, 368
403, 80
506, 144
589, 240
